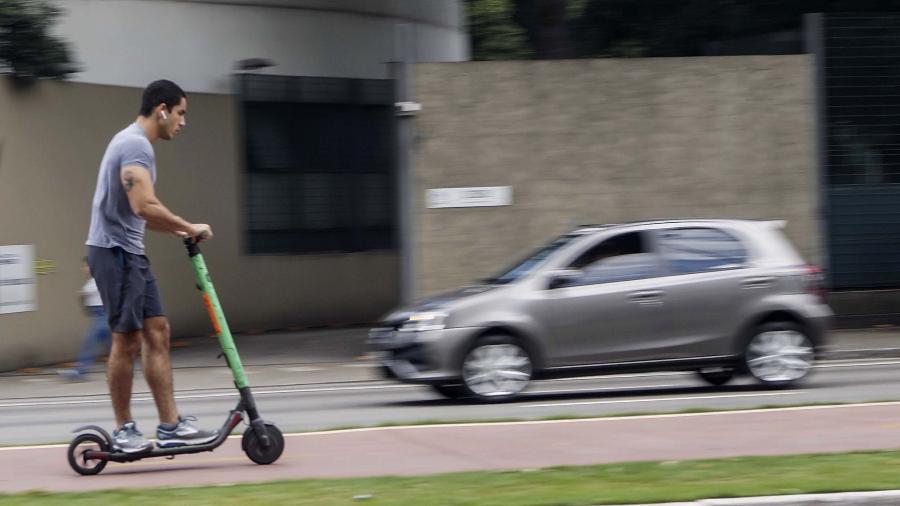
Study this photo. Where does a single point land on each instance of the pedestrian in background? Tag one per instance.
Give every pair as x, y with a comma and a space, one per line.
97, 335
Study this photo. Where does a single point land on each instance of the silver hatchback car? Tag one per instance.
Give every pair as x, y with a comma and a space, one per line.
720, 297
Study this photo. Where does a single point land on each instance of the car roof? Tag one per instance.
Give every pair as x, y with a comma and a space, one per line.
590, 229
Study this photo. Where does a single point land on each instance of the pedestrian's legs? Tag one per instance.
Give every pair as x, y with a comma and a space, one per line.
97, 335
158, 367
120, 373
104, 335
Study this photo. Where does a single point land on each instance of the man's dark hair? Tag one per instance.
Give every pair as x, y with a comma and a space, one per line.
161, 92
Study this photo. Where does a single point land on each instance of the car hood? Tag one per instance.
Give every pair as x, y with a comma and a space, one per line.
438, 302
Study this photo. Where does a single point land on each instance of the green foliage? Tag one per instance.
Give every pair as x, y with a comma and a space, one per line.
649, 28
27, 49
493, 33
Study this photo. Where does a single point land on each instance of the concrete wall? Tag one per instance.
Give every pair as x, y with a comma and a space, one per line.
606, 141
53, 136
197, 42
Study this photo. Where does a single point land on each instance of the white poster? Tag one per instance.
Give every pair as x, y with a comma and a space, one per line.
17, 284
482, 196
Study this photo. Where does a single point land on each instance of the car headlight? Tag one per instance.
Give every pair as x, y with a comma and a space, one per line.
420, 322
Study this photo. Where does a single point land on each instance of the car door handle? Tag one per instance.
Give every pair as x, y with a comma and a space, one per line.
646, 296
759, 282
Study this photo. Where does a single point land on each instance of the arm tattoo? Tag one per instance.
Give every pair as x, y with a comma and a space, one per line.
129, 181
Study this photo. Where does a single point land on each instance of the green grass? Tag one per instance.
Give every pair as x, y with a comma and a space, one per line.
637, 482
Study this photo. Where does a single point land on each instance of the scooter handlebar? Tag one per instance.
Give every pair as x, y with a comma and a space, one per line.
191, 243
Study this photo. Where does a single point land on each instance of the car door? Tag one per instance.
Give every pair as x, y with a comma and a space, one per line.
711, 279
609, 310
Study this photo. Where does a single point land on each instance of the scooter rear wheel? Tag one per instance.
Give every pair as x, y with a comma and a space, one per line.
254, 449
78, 449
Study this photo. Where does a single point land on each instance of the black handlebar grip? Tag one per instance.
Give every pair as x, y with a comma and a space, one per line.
193, 249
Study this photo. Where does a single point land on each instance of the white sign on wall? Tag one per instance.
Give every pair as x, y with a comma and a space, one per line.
483, 196
17, 284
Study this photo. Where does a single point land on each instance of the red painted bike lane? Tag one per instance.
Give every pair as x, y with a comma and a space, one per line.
452, 448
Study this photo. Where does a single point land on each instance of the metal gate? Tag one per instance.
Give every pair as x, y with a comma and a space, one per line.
858, 60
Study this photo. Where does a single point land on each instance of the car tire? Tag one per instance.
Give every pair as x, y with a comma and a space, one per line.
450, 390
716, 376
496, 368
779, 354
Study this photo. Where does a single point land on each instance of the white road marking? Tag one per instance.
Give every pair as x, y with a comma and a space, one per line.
656, 399
300, 369
837, 363
739, 412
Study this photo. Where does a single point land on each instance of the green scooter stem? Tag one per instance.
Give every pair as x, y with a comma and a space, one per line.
226, 341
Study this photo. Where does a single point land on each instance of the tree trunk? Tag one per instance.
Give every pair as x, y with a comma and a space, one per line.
552, 40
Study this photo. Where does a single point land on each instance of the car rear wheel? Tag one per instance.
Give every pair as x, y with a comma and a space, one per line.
779, 354
496, 368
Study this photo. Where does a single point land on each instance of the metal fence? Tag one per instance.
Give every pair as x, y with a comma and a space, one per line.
859, 67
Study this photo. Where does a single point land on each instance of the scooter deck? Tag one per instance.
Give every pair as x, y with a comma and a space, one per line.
234, 418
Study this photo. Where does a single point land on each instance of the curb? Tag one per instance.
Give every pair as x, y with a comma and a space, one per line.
834, 354
879, 498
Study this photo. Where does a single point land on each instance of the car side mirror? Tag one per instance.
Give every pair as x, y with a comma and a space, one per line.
562, 278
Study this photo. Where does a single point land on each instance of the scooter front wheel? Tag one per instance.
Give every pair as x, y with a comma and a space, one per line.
78, 449
255, 450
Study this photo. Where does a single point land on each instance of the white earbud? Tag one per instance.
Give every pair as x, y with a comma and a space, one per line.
163, 113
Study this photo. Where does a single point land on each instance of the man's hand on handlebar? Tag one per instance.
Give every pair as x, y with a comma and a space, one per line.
198, 232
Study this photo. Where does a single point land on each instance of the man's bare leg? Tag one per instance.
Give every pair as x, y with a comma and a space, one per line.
120, 373
158, 367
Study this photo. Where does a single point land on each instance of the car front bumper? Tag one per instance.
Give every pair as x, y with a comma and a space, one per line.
430, 356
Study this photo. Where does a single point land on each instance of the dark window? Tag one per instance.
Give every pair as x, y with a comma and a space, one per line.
862, 73
688, 250
623, 244
319, 164
620, 258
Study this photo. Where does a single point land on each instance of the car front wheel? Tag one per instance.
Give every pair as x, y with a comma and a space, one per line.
496, 368
779, 354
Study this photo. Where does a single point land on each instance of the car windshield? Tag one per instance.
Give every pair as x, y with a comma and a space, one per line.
528, 264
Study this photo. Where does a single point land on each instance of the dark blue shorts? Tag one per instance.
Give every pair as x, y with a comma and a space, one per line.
127, 287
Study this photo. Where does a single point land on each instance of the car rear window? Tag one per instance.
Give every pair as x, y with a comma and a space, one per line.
688, 250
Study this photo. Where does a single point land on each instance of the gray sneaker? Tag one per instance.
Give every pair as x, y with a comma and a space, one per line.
184, 434
128, 439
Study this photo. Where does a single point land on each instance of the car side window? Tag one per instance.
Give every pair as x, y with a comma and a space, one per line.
619, 258
620, 268
689, 250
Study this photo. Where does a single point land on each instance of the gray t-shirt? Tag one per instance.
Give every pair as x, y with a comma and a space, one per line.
113, 223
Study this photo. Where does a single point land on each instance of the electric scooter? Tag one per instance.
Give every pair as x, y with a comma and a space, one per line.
263, 442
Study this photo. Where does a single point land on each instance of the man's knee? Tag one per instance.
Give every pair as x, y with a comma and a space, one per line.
128, 344
156, 333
